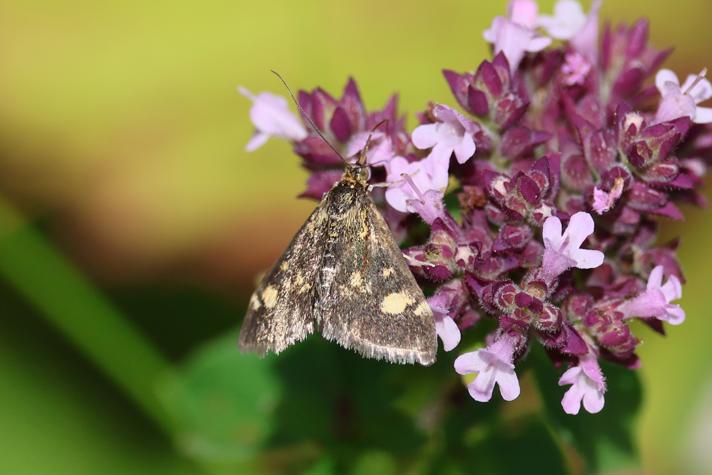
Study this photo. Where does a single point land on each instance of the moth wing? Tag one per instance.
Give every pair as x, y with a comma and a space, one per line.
374, 305
281, 310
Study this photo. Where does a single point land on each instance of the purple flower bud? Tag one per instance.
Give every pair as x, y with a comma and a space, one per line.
512, 237
340, 125
519, 141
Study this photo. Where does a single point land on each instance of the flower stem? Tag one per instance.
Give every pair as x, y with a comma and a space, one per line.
59, 291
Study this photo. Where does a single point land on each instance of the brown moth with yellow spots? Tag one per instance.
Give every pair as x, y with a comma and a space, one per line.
345, 277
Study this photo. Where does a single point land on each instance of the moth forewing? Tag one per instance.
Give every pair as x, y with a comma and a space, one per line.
373, 304
281, 310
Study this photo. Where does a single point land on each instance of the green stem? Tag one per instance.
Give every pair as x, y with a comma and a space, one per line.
58, 290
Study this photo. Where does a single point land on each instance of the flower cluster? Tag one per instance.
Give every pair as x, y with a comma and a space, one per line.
566, 150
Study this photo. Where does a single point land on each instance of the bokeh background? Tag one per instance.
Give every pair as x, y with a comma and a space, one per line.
133, 224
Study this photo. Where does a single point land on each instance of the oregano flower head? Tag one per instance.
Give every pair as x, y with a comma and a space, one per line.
533, 200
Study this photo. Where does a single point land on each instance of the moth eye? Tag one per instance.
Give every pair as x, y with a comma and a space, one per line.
364, 173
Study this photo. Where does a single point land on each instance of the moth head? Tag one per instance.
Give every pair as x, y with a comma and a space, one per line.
357, 173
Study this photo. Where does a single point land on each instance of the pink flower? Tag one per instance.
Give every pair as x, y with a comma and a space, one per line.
493, 365
515, 34
654, 302
447, 330
681, 101
445, 326
380, 151
568, 20
524, 12
575, 69
570, 23
271, 117
587, 385
417, 187
453, 133
563, 251
585, 41
603, 201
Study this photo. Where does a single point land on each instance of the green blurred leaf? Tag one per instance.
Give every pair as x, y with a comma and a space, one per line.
323, 466
605, 440
284, 413
376, 461
223, 402
481, 438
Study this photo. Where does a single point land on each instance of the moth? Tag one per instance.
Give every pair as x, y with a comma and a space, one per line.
344, 276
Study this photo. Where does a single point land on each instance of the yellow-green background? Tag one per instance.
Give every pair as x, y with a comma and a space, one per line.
121, 132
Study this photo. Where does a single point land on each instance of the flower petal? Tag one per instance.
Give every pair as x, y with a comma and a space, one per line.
672, 288
570, 376
571, 402
674, 314
449, 333
524, 12
440, 156
434, 171
579, 229
664, 77
397, 198
537, 43
569, 18
703, 115
588, 258
246, 92
508, 384
469, 363
257, 140
593, 400
482, 387
551, 232
655, 279
490, 35
425, 136
465, 149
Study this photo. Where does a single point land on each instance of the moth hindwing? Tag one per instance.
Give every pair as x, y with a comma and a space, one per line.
344, 276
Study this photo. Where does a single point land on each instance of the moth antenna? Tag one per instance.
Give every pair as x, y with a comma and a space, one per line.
362, 156
306, 116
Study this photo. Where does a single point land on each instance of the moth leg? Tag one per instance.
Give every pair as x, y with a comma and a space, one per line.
383, 184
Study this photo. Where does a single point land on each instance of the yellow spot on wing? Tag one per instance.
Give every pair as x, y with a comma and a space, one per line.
284, 266
269, 296
388, 271
395, 303
255, 302
356, 280
422, 309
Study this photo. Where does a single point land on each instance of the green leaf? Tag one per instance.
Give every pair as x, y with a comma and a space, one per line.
605, 440
286, 413
222, 402
482, 438
375, 462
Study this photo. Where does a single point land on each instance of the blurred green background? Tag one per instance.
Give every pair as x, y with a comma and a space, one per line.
132, 225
